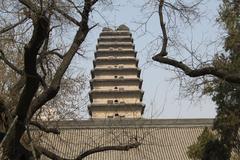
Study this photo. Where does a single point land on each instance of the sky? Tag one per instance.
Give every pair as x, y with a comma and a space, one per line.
163, 96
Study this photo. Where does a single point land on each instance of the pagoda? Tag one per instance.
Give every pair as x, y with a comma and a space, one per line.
116, 84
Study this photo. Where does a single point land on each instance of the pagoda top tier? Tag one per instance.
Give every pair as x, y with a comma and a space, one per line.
120, 28
121, 32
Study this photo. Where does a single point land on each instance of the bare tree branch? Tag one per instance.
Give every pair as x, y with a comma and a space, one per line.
76, 7
125, 147
45, 129
55, 84
54, 156
70, 18
234, 78
54, 53
7, 135
163, 51
12, 26
160, 57
7, 62
30, 5
31, 143
5, 109
93, 26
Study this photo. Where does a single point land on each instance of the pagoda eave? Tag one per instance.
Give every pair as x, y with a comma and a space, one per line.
115, 39
115, 70
111, 61
115, 93
117, 81
115, 59
116, 107
114, 54
115, 47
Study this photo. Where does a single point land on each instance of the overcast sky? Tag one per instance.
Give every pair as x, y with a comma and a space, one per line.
162, 94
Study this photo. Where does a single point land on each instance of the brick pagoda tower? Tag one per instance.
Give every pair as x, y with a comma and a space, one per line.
116, 84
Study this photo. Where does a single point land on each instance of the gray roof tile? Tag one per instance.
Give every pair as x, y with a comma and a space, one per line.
161, 139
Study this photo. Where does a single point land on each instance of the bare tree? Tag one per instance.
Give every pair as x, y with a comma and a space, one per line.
204, 70
30, 29
224, 79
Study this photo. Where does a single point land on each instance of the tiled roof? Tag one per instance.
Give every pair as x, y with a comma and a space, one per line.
161, 139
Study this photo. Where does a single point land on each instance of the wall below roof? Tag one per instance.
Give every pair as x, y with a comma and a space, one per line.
129, 123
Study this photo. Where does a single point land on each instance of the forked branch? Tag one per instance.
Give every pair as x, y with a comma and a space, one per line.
44, 128
125, 147
80, 36
162, 58
9, 64
8, 28
233, 78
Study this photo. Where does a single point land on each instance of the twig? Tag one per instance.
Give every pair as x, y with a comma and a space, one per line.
13, 26
9, 130
31, 143
7, 62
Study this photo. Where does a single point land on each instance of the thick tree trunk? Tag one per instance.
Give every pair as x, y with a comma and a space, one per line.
12, 149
